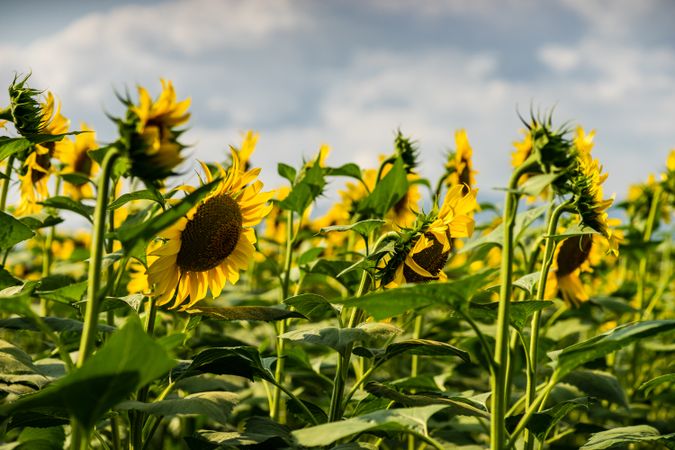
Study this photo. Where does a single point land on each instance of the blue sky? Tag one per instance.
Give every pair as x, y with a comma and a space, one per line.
348, 73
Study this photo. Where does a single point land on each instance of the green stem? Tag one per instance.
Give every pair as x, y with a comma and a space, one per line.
335, 410
96, 257
536, 317
499, 380
5, 183
139, 418
47, 254
481, 339
414, 366
275, 406
647, 236
529, 411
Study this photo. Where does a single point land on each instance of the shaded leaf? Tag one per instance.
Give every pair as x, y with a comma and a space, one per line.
596, 383
242, 361
520, 312
128, 360
12, 231
68, 204
311, 305
565, 360
215, 405
534, 186
625, 435
543, 422
66, 294
145, 194
340, 339
392, 420
650, 385
347, 170
425, 347
262, 313
58, 324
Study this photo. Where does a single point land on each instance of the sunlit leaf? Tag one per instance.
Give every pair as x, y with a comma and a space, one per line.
626, 435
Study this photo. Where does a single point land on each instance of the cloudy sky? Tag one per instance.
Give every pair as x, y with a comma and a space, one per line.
348, 73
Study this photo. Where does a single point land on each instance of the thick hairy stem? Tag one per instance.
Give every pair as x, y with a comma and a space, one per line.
536, 317
499, 380
5, 183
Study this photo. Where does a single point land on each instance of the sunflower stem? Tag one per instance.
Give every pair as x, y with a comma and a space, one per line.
5, 183
275, 407
94, 281
47, 254
547, 261
499, 380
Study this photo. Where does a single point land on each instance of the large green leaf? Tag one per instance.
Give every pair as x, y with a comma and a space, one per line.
520, 312
392, 302
129, 360
145, 194
12, 231
650, 385
10, 146
565, 360
68, 204
311, 305
599, 384
135, 236
425, 347
215, 405
388, 191
262, 313
58, 324
392, 420
626, 435
341, 339
543, 422
67, 294
242, 361
459, 406
305, 191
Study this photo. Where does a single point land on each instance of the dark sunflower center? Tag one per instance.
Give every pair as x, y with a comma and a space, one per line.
44, 161
573, 252
432, 259
211, 235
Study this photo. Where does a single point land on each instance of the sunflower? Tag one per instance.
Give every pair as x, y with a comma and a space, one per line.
459, 164
37, 166
247, 148
77, 160
523, 149
424, 255
150, 133
213, 242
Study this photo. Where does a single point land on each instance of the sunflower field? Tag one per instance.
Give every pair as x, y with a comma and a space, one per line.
136, 313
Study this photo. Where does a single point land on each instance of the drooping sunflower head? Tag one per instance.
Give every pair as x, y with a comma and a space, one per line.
76, 160
421, 253
26, 111
571, 256
149, 133
210, 245
459, 165
407, 150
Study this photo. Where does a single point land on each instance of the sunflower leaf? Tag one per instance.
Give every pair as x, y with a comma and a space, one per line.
387, 192
242, 361
565, 360
650, 385
311, 305
387, 421
520, 311
127, 361
261, 313
215, 405
287, 172
340, 339
305, 191
347, 170
626, 435
363, 227
12, 231
145, 194
67, 203
543, 422
425, 347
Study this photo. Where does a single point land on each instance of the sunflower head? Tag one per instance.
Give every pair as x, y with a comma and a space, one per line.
459, 165
407, 150
76, 160
149, 133
421, 253
571, 256
213, 242
26, 111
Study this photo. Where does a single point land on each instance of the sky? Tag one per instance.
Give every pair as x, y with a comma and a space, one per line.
349, 73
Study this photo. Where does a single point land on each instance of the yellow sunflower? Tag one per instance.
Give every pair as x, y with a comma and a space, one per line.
153, 145
37, 166
430, 252
523, 149
213, 242
461, 165
247, 148
77, 160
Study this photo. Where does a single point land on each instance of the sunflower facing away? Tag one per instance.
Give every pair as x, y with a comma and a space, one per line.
76, 159
213, 242
429, 249
37, 166
459, 164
